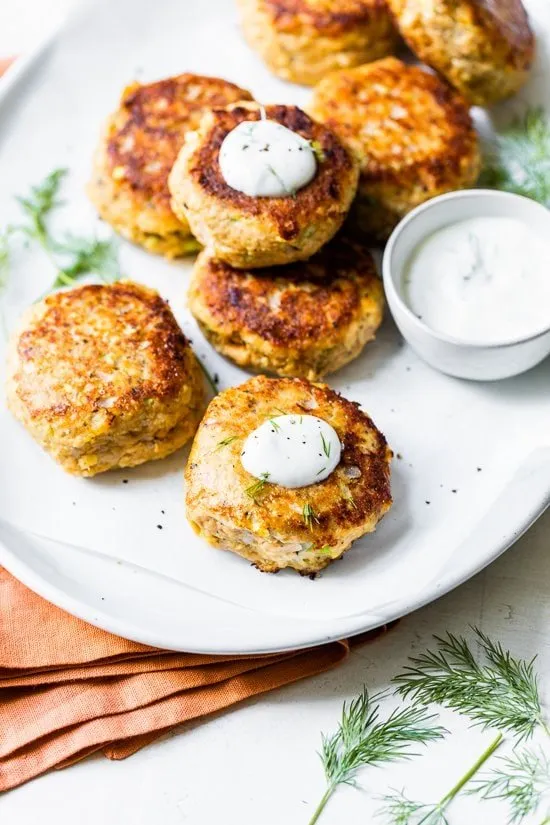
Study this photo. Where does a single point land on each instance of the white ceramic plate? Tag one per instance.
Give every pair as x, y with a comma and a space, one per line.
472, 470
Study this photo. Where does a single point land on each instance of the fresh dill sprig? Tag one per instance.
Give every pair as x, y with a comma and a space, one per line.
225, 442
398, 809
71, 257
274, 424
519, 158
326, 445
309, 515
86, 256
501, 693
363, 738
522, 780
37, 205
255, 489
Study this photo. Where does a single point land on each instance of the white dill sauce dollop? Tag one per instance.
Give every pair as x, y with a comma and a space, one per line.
292, 450
264, 159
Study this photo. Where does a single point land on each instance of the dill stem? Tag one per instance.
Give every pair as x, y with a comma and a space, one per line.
320, 807
64, 278
545, 821
473, 770
546, 728
455, 790
43, 241
42, 237
41, 234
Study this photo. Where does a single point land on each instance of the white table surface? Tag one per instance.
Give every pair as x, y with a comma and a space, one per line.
257, 764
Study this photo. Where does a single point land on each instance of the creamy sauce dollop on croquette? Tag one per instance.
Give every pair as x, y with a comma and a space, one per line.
292, 451
264, 159
483, 279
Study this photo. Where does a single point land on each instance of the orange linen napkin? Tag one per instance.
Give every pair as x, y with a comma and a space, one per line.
68, 689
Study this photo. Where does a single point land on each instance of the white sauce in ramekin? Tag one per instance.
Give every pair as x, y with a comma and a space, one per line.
264, 159
484, 279
292, 451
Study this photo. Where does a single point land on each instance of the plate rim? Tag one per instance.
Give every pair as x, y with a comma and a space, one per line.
28, 576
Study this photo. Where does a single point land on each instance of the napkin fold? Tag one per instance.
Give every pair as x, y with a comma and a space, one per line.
68, 689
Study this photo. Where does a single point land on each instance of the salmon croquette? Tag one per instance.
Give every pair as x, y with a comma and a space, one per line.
484, 48
140, 143
411, 131
303, 40
274, 526
102, 377
248, 231
304, 319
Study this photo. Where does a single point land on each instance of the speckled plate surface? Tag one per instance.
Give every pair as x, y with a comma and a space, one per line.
472, 466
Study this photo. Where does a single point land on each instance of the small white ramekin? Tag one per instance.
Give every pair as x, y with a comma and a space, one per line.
463, 359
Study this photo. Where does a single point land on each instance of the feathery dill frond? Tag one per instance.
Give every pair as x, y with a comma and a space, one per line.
500, 693
519, 158
522, 779
398, 809
86, 256
363, 738
40, 201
